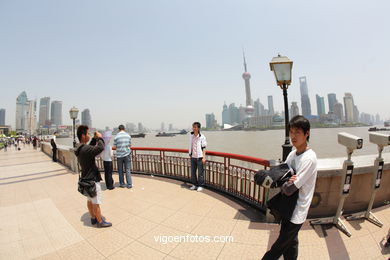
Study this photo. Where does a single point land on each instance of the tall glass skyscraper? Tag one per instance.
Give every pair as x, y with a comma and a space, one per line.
305, 100
56, 113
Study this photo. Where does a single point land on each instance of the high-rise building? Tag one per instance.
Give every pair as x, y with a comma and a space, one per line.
56, 113
338, 112
349, 107
294, 110
355, 114
211, 123
44, 111
225, 115
31, 117
246, 76
130, 127
242, 114
234, 114
320, 105
86, 118
22, 107
140, 127
162, 126
170, 128
2, 116
259, 108
305, 100
271, 110
332, 100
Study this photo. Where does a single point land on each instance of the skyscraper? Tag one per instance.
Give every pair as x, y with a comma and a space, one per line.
31, 117
140, 127
211, 123
162, 126
259, 108
2, 116
86, 118
246, 76
349, 107
271, 110
225, 115
234, 114
22, 107
320, 105
332, 100
56, 113
294, 110
305, 100
44, 111
339, 112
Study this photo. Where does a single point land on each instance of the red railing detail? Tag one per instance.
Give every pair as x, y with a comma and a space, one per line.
223, 171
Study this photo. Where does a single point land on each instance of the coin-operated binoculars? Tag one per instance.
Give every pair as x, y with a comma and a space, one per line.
351, 142
381, 140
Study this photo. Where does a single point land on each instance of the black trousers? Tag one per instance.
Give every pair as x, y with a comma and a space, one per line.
54, 154
286, 244
197, 164
108, 174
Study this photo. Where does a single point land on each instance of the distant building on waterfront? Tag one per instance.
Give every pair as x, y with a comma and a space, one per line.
2, 116
44, 111
259, 108
211, 123
332, 100
305, 100
32, 117
225, 115
170, 127
130, 127
338, 112
271, 110
22, 107
349, 107
86, 118
355, 114
56, 113
294, 110
140, 127
162, 127
320, 105
246, 76
265, 121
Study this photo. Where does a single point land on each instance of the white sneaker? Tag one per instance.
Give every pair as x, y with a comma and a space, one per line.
199, 189
193, 187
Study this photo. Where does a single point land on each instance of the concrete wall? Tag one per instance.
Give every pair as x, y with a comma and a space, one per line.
327, 191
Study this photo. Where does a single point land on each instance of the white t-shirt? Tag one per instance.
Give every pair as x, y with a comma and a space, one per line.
305, 166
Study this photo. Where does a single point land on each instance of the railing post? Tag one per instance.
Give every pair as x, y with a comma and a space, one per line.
162, 155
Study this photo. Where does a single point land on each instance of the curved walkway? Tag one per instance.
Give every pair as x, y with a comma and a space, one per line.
43, 216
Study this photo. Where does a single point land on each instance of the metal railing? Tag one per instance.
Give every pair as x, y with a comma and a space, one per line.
228, 173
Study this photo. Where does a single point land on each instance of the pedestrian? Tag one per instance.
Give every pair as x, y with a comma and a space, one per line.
106, 156
5, 145
122, 146
54, 146
34, 142
89, 171
197, 152
303, 161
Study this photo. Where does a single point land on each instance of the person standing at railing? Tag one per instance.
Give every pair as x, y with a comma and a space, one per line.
54, 146
122, 145
106, 156
304, 161
197, 152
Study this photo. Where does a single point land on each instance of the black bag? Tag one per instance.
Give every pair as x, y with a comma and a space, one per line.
87, 188
282, 206
275, 177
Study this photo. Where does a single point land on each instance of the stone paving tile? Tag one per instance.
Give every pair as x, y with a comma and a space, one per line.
81, 250
109, 241
236, 251
12, 250
188, 250
135, 227
182, 221
138, 251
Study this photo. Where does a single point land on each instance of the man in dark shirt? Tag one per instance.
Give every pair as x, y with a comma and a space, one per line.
86, 158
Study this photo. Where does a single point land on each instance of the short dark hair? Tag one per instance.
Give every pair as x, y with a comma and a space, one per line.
196, 124
300, 122
121, 127
82, 130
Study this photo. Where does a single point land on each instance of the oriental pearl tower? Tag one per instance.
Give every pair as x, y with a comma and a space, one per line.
246, 76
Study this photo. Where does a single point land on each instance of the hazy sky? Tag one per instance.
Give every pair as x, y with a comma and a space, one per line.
174, 61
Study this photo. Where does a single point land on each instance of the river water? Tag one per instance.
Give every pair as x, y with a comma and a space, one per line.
262, 144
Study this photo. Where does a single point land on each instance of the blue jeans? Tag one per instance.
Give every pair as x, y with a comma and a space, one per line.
124, 162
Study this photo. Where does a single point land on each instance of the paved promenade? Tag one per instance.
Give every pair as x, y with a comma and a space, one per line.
42, 216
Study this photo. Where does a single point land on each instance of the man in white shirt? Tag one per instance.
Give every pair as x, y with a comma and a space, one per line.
197, 152
304, 162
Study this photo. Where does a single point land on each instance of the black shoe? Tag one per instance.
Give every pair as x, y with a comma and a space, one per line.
104, 224
94, 220
111, 188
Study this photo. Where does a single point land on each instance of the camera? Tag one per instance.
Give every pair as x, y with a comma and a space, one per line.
380, 139
352, 142
275, 177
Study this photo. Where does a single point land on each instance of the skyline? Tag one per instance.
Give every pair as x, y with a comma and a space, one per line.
110, 57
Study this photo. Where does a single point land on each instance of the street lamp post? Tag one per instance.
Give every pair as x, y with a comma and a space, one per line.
73, 112
282, 66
